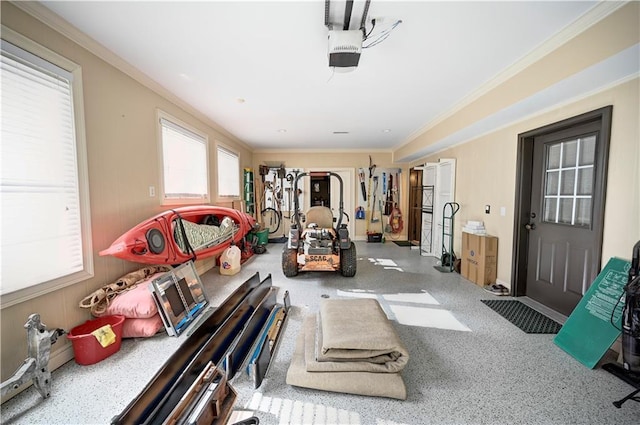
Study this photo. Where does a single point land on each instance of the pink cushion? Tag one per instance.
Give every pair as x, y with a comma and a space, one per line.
136, 328
136, 303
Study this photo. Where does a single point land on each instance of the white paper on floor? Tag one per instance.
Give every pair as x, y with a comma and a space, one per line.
427, 318
417, 298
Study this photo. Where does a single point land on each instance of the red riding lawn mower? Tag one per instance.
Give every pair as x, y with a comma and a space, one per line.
318, 245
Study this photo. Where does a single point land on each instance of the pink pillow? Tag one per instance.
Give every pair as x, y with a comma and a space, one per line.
136, 303
135, 328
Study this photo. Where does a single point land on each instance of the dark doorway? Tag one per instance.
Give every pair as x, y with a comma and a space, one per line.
415, 206
560, 198
321, 191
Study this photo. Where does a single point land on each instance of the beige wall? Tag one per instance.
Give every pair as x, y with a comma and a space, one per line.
120, 116
486, 174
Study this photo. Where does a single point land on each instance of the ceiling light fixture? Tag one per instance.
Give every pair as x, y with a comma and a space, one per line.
386, 130
282, 130
340, 132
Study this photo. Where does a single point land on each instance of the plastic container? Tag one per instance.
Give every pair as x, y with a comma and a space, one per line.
230, 261
86, 347
263, 236
374, 237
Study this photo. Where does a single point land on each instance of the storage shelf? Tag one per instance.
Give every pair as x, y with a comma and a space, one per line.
426, 209
249, 191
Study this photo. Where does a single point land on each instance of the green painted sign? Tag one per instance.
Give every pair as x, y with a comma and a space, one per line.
588, 332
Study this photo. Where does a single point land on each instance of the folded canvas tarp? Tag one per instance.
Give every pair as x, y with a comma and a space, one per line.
349, 347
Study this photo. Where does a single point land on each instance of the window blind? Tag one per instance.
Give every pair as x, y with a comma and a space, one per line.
184, 155
228, 173
39, 190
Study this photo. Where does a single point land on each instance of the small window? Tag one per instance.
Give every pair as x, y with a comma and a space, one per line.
228, 174
569, 182
44, 184
185, 170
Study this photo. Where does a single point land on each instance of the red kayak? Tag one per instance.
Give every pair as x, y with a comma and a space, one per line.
182, 234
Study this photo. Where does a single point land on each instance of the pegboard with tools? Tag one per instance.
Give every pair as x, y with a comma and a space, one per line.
379, 197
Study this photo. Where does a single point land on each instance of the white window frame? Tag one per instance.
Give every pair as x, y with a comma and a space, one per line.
35, 290
196, 135
220, 181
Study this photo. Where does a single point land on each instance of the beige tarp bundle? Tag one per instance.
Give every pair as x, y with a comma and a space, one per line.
349, 347
99, 300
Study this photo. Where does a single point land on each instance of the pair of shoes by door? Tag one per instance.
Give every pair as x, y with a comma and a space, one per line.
497, 289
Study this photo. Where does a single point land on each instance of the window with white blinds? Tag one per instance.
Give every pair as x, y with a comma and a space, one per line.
45, 240
228, 173
185, 173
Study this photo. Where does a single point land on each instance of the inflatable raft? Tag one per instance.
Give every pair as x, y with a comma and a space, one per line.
182, 234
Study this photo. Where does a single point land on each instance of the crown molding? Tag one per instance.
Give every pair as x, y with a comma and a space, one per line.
581, 24
328, 150
433, 150
52, 20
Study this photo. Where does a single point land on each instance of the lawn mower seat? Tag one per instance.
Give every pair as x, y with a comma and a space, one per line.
322, 216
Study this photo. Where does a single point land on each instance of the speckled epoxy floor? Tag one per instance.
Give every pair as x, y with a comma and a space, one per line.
468, 365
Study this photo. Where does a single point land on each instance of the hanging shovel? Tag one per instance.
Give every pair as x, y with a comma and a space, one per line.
362, 186
373, 207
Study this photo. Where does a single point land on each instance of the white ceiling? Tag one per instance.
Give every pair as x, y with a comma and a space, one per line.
273, 55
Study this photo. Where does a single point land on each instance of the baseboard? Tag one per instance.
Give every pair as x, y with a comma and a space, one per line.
57, 359
204, 265
60, 357
503, 283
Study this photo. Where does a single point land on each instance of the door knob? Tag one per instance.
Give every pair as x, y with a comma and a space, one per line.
530, 226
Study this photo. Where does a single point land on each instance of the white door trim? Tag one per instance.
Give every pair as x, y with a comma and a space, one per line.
442, 176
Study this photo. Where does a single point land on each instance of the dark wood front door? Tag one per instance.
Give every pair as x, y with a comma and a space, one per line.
563, 223
415, 204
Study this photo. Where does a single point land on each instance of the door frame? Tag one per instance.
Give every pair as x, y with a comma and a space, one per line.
524, 168
440, 201
430, 169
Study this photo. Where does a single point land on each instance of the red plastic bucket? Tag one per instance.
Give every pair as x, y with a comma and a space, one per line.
86, 347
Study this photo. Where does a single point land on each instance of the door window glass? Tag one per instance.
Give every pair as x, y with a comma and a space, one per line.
553, 177
569, 182
553, 156
583, 212
569, 152
585, 181
587, 150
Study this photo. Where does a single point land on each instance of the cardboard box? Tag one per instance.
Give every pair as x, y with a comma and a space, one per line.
479, 258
